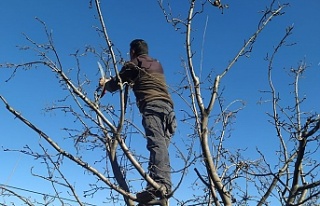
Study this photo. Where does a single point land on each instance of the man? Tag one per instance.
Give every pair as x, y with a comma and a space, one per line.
146, 77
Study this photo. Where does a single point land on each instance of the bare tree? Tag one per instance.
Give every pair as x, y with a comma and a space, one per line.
99, 131
223, 175
298, 135
223, 168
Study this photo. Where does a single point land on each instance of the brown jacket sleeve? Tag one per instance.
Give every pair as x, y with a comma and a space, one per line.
128, 73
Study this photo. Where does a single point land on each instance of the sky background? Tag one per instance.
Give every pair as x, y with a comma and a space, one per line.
73, 25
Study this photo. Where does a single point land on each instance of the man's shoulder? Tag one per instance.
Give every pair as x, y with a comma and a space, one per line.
145, 57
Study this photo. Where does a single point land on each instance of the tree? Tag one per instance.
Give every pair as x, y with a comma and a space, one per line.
298, 132
220, 173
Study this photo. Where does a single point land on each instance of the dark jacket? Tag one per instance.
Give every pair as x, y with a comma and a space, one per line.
146, 77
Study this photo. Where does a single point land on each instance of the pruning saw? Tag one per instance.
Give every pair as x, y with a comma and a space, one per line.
100, 89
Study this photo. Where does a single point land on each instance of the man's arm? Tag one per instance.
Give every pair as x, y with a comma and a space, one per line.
128, 73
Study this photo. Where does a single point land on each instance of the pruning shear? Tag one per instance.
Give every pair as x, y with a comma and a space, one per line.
100, 88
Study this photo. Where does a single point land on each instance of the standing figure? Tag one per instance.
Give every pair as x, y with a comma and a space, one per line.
146, 77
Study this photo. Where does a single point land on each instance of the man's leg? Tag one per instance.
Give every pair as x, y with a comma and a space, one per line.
158, 137
157, 143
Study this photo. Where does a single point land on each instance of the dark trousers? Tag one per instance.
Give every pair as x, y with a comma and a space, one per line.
159, 122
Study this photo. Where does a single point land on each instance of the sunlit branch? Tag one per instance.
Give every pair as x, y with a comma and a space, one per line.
23, 199
65, 153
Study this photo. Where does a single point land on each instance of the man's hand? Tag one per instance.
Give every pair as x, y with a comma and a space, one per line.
103, 81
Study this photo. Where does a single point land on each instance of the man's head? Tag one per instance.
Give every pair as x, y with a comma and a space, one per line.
138, 47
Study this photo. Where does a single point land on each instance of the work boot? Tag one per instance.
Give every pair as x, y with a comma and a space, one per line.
146, 196
150, 194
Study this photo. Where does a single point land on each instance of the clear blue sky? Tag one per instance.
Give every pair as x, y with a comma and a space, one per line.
73, 24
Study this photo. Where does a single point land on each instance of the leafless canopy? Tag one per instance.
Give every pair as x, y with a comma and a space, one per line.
223, 176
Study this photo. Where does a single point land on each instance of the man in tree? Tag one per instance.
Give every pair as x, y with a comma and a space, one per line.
146, 77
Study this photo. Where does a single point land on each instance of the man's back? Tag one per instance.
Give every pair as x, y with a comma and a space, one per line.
150, 83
